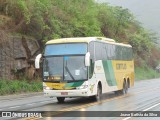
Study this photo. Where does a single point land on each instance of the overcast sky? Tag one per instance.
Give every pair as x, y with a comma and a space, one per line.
145, 11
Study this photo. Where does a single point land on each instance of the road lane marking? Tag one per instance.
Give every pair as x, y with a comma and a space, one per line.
46, 101
144, 110
14, 107
25, 105
31, 104
152, 107
126, 118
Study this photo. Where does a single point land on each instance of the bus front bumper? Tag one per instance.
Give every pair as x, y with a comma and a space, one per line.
66, 93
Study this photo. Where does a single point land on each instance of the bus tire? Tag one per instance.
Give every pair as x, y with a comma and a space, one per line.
125, 88
60, 99
98, 96
117, 92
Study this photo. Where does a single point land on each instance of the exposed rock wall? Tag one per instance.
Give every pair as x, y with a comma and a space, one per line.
17, 55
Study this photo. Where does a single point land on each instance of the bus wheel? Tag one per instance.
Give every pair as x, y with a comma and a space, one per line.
125, 88
117, 92
61, 99
98, 97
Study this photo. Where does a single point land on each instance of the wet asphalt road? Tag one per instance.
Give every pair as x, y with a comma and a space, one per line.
144, 96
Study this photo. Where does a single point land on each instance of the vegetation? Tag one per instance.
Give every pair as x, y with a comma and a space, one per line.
50, 19
16, 86
144, 73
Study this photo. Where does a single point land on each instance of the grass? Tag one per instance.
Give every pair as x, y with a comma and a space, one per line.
145, 73
17, 86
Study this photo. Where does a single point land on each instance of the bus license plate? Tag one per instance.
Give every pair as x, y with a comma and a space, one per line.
64, 93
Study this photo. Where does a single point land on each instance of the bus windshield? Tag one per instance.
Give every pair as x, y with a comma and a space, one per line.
65, 49
67, 68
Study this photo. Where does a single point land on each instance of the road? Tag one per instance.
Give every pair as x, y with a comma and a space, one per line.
144, 96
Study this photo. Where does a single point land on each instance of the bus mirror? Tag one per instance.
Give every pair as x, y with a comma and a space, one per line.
37, 61
87, 59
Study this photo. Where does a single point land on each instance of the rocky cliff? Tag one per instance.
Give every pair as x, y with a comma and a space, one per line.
17, 54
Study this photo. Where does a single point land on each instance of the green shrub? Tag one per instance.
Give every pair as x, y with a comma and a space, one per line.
143, 73
17, 86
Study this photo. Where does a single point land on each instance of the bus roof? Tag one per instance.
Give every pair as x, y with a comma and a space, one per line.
85, 39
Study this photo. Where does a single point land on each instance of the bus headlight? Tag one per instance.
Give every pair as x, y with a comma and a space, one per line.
82, 87
47, 88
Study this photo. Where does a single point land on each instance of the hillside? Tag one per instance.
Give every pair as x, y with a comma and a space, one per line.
146, 12
40, 21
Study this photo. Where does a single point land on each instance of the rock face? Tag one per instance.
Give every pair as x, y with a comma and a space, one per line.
17, 56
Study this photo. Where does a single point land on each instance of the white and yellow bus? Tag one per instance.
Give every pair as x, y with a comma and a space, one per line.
87, 66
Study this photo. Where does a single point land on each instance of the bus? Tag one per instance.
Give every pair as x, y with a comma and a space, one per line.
85, 67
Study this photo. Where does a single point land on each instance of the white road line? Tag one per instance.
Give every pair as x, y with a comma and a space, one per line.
126, 118
46, 101
43, 102
152, 107
144, 110
15, 107
39, 102
31, 103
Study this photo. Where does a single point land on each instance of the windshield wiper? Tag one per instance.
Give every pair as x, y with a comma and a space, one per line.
69, 72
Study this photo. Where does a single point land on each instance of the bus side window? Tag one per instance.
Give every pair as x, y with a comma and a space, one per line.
92, 58
92, 50
98, 51
91, 69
